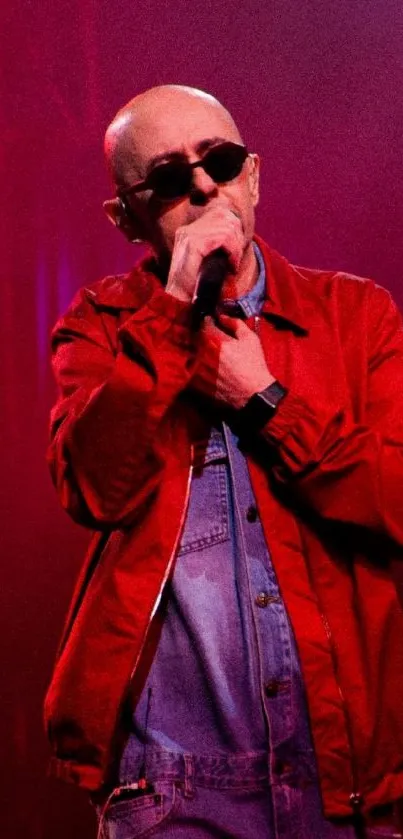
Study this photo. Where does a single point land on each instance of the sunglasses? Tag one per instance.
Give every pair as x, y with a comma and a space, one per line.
173, 180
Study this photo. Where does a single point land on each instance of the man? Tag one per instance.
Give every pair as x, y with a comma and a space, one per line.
232, 662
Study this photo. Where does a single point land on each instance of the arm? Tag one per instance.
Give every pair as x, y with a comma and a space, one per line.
343, 471
104, 455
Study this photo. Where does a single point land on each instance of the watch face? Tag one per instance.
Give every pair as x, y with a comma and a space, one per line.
273, 394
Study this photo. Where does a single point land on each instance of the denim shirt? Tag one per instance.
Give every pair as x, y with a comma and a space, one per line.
225, 677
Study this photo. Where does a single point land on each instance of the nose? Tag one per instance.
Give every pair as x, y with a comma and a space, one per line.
203, 187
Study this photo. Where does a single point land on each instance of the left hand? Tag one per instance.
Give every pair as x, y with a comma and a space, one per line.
231, 365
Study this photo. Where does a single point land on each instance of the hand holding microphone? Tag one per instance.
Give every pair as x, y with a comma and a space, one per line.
204, 252
231, 362
214, 269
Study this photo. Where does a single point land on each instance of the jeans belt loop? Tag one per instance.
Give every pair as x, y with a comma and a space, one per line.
189, 776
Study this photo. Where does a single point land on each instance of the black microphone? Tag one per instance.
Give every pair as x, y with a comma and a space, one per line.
214, 269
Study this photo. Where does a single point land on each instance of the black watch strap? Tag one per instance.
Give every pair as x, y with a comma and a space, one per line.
261, 407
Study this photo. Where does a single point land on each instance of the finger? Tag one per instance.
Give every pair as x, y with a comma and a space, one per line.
208, 324
209, 328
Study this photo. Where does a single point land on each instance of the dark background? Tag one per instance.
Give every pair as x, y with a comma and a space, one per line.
316, 88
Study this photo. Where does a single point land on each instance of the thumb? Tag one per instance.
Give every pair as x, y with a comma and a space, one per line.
233, 326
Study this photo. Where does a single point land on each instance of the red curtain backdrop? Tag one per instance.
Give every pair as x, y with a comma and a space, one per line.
316, 87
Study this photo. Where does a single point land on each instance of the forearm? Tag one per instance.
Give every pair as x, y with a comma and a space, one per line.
341, 470
104, 454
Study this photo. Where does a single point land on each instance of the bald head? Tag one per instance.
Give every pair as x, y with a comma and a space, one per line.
167, 123
161, 120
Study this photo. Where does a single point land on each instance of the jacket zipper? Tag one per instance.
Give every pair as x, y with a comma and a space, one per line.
137, 785
356, 799
170, 562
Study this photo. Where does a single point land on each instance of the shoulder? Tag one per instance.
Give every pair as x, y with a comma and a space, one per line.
349, 291
330, 282
363, 309
125, 291
117, 291
330, 286
347, 302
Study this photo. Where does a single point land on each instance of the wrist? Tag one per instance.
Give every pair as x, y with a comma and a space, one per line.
261, 407
178, 294
257, 387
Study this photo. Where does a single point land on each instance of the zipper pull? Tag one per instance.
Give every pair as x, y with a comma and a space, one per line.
356, 802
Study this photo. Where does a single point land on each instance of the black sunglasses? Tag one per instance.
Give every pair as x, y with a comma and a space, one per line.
173, 180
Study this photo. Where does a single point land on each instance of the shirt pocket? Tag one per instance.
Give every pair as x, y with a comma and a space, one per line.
208, 516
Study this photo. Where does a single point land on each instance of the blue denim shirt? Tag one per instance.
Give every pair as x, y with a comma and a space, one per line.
225, 677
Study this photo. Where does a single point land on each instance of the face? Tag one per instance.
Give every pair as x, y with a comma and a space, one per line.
187, 127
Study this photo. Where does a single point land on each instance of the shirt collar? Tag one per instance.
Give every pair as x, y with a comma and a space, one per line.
249, 304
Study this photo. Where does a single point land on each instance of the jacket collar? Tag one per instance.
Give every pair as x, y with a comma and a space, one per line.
288, 292
127, 291
289, 296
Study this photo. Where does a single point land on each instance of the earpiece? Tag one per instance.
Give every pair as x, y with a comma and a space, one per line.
123, 211
122, 217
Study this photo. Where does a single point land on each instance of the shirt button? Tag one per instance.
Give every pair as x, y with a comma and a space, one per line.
251, 513
263, 599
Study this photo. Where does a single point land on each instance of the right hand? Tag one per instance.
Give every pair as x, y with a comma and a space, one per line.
218, 227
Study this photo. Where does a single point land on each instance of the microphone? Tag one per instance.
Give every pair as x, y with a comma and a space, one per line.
214, 269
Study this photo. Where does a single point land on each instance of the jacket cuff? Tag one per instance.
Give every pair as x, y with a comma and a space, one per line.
165, 317
170, 307
297, 429
288, 412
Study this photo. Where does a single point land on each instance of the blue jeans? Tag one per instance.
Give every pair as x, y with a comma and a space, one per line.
226, 797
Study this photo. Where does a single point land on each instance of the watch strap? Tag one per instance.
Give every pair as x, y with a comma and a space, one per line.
261, 407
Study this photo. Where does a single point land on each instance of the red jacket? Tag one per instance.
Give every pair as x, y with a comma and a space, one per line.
329, 493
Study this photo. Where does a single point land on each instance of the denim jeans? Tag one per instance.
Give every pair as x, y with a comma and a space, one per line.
226, 798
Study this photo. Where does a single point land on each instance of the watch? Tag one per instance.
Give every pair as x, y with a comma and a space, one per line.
261, 407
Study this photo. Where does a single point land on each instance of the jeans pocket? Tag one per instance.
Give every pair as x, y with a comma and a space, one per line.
136, 815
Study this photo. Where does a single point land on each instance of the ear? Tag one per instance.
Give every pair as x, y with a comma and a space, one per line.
254, 173
118, 216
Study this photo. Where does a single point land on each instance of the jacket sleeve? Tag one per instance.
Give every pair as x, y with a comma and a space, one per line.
103, 454
344, 471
